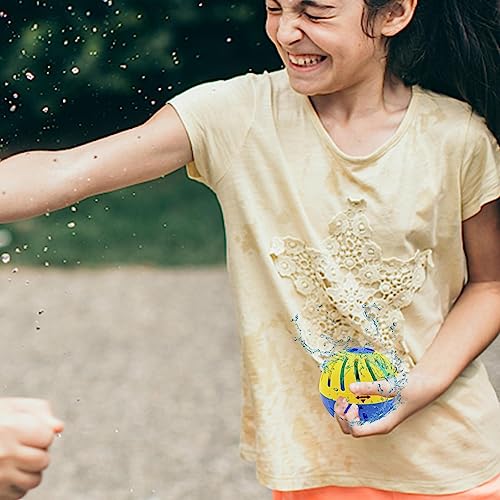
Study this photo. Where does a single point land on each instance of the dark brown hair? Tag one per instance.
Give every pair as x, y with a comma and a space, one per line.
451, 47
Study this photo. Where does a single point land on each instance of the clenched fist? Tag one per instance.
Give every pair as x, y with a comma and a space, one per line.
27, 429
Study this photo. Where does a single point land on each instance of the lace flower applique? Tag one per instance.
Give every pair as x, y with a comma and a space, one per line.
346, 281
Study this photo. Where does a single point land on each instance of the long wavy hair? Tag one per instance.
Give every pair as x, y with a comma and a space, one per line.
451, 47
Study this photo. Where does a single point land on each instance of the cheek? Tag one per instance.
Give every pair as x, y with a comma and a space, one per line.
272, 28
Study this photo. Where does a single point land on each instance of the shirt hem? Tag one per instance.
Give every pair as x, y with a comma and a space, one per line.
297, 483
475, 207
248, 454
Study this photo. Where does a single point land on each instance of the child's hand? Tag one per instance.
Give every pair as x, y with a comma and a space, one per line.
27, 429
416, 393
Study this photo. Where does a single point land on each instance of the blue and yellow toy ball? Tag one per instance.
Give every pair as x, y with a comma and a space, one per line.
358, 364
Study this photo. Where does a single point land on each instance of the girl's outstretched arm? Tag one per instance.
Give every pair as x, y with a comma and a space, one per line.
470, 327
37, 182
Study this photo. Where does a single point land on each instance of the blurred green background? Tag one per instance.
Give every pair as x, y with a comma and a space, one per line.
71, 72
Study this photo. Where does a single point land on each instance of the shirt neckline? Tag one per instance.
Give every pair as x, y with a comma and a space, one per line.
378, 152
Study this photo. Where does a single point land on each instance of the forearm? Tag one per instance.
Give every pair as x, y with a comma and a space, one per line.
42, 181
28, 184
470, 327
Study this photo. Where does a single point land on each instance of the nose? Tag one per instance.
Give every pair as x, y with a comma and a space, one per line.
289, 31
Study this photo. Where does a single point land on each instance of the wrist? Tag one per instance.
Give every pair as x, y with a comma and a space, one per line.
430, 380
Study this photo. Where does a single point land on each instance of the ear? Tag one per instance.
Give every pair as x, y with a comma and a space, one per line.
398, 17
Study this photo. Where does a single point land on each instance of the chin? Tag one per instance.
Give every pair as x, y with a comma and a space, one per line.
306, 89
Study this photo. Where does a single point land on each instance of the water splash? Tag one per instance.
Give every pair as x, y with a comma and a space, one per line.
323, 353
396, 383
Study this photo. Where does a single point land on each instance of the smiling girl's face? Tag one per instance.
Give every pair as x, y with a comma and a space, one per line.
323, 45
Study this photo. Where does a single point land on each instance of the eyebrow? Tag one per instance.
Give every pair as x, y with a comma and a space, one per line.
313, 3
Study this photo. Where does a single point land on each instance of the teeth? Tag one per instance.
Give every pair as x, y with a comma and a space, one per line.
305, 60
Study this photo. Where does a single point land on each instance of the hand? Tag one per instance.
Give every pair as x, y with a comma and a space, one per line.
411, 394
27, 429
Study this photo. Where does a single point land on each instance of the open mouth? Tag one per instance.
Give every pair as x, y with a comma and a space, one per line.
306, 60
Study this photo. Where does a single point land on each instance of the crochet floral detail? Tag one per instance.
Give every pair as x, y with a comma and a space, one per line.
351, 293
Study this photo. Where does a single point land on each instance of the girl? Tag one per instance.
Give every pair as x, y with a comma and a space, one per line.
357, 176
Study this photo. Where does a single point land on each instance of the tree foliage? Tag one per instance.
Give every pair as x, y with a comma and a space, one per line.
73, 70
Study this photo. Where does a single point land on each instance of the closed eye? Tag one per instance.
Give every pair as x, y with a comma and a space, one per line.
316, 18
313, 18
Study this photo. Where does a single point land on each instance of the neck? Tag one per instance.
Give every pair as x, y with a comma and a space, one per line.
366, 98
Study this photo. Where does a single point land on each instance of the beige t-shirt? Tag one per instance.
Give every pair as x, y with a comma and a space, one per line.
313, 236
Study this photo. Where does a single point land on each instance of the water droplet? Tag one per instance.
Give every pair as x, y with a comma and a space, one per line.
75, 70
71, 225
5, 258
29, 75
5, 238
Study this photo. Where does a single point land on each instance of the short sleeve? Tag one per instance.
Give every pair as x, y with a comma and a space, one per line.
480, 176
217, 117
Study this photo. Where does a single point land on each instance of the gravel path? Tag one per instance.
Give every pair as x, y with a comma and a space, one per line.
142, 364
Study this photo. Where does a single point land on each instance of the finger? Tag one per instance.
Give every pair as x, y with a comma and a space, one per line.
340, 414
14, 493
32, 459
381, 426
25, 481
56, 425
37, 407
351, 414
29, 405
32, 431
386, 388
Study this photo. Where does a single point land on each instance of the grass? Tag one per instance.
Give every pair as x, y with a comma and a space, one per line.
169, 222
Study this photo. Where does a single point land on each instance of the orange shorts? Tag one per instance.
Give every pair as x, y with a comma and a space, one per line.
486, 491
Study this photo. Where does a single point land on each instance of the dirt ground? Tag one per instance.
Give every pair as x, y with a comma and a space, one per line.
142, 365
